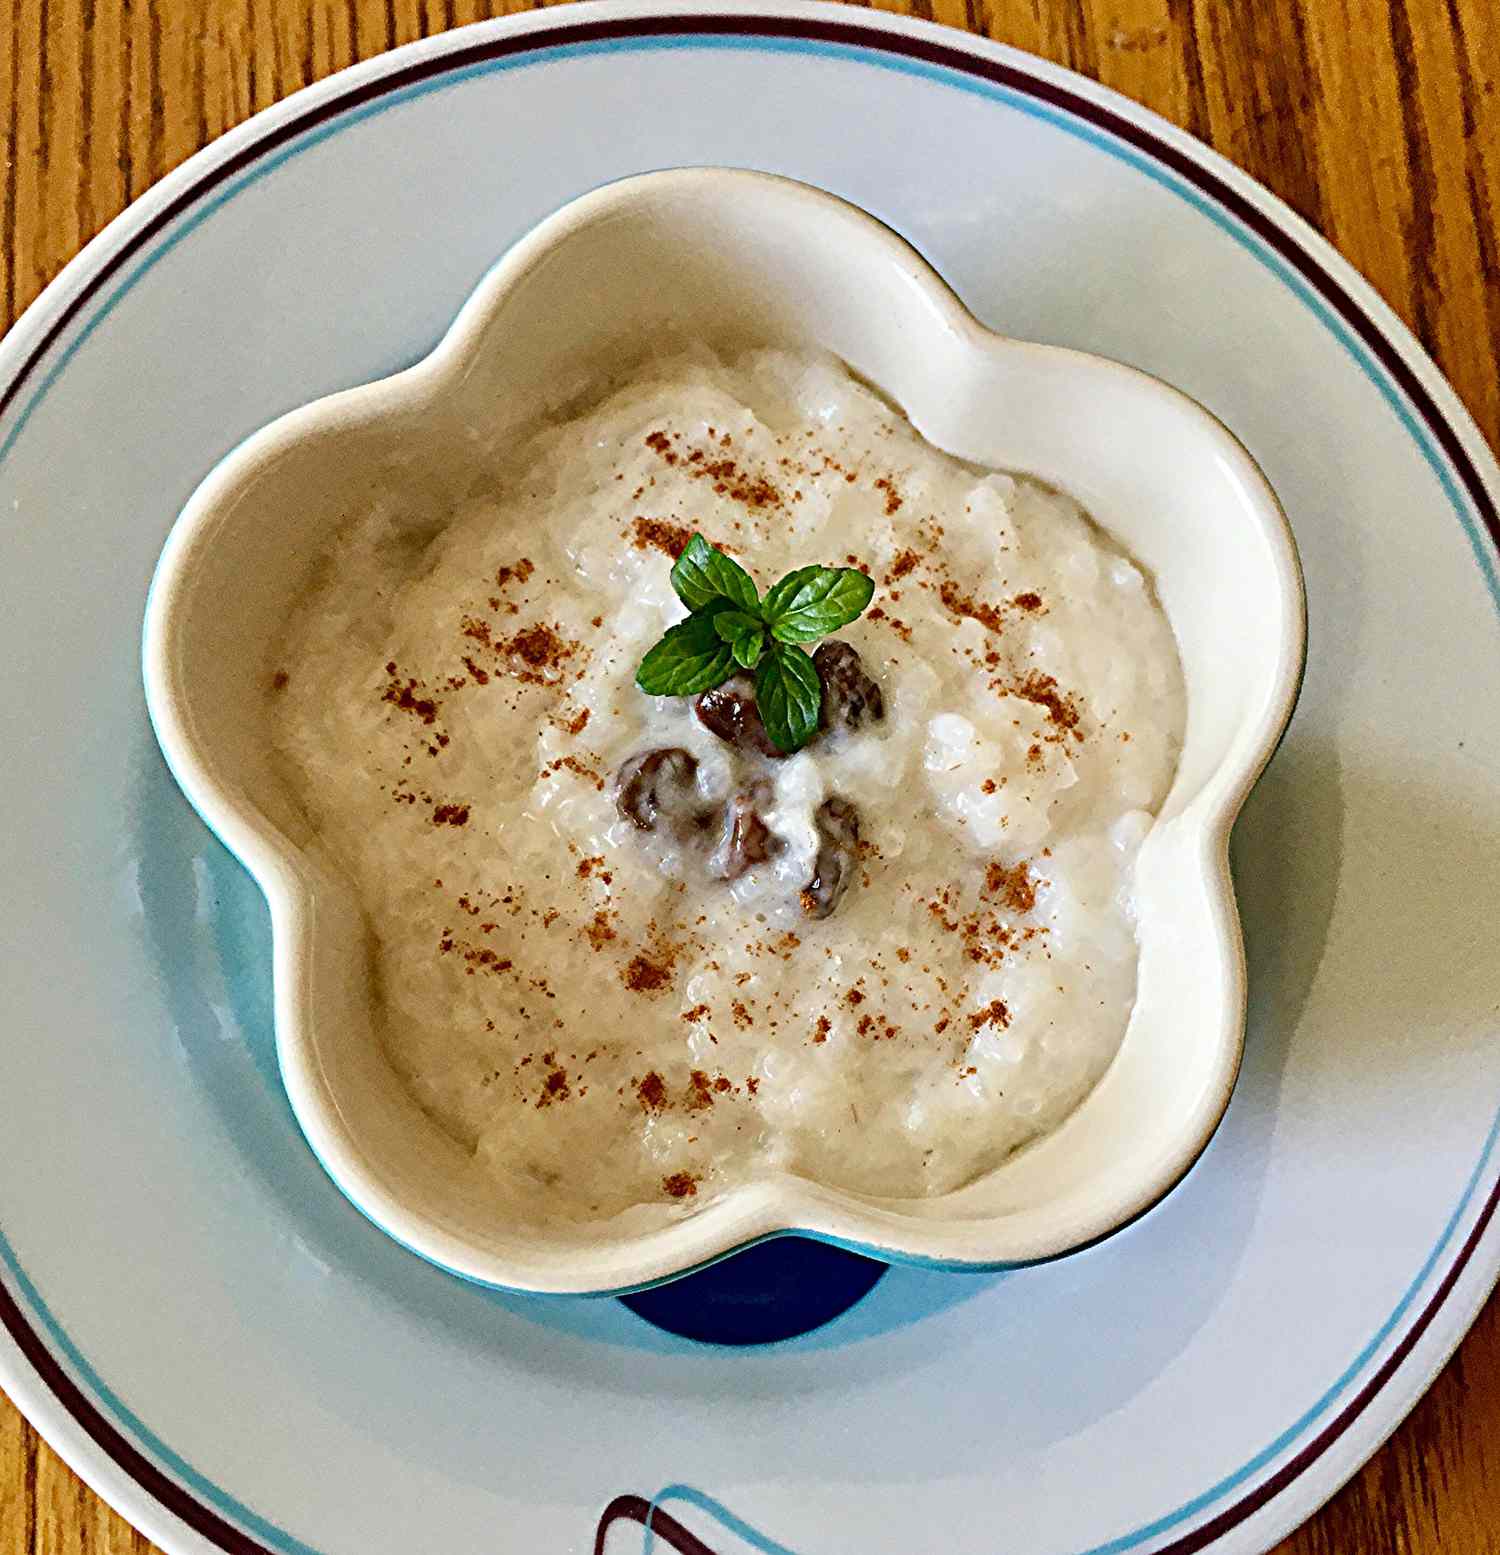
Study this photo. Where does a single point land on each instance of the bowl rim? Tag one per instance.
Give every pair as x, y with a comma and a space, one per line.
761, 1209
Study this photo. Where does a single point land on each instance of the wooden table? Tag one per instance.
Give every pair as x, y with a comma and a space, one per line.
1378, 120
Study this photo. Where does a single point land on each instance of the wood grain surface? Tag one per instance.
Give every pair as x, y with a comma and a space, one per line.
1377, 120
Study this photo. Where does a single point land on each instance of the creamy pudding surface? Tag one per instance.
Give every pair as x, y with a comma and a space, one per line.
629, 957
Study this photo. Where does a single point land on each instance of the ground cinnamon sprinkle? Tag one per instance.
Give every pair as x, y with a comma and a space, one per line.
962, 604
451, 815
899, 627
905, 563
1014, 886
481, 676
700, 1092
600, 932
1030, 601
697, 1013
540, 647
279, 680
580, 723
754, 493
892, 496
405, 697
644, 975
519, 572
729, 479
680, 1185
658, 534
821, 1030
993, 1014
554, 1087
1062, 710
478, 958
578, 768
652, 1092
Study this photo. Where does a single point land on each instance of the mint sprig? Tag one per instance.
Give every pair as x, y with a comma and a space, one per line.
731, 627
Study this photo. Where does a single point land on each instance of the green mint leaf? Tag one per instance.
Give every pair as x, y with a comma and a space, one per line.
779, 599
747, 649
732, 623
789, 695
822, 600
745, 634
690, 658
702, 574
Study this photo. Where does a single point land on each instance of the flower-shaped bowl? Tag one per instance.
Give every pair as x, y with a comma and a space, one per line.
733, 257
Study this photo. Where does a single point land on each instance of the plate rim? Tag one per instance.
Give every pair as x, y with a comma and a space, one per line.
29, 1371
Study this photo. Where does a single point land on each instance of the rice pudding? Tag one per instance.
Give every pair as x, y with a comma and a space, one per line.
624, 949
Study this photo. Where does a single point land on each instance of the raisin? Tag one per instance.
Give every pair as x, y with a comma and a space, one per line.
729, 711
745, 840
653, 782
849, 695
838, 851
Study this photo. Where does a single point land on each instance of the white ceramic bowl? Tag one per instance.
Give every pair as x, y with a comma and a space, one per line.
737, 257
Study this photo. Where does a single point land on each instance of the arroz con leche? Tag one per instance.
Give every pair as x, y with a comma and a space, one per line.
620, 991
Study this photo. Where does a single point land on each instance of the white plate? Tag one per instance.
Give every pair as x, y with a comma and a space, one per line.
217, 1341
